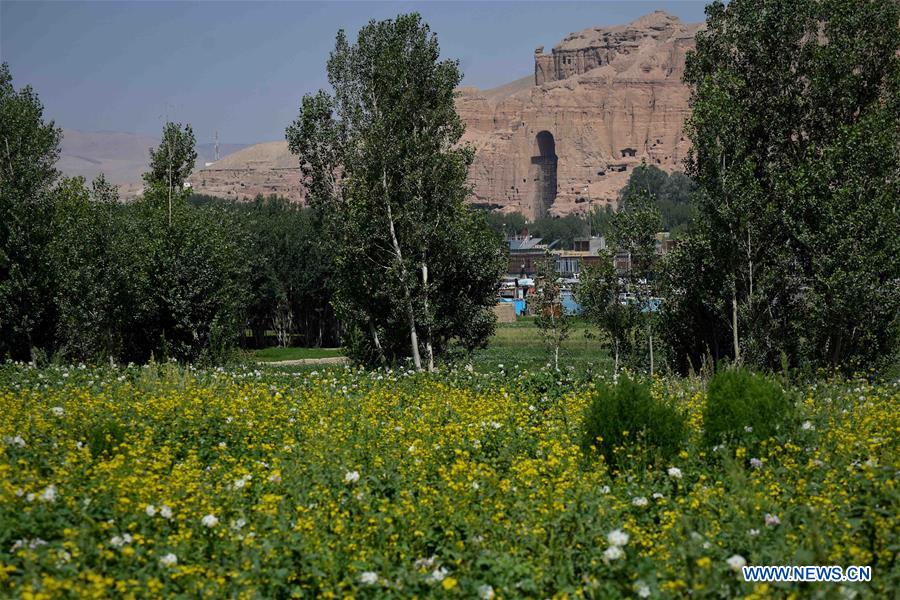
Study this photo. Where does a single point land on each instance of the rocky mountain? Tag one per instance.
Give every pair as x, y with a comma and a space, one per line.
601, 102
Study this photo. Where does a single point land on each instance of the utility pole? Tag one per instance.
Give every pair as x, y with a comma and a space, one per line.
169, 160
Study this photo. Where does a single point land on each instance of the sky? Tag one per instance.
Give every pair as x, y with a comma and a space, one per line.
241, 68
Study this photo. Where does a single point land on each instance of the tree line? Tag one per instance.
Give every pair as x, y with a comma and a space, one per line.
787, 210
86, 277
386, 259
792, 258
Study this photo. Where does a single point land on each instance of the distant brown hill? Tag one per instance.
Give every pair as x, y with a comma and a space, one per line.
121, 157
266, 168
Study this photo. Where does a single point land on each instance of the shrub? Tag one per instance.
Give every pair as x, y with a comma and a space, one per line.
627, 416
741, 405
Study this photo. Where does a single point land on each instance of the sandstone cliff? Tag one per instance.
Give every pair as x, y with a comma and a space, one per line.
601, 102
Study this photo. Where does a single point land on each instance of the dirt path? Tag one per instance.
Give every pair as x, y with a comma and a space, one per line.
330, 360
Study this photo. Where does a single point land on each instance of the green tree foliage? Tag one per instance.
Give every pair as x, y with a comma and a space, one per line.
173, 160
565, 229
600, 292
291, 262
744, 407
796, 107
87, 270
670, 192
506, 224
382, 164
29, 148
626, 424
551, 319
186, 281
624, 304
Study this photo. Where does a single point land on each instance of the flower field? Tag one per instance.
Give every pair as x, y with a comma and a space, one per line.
162, 481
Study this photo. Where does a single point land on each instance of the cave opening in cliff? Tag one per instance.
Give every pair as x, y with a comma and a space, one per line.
544, 173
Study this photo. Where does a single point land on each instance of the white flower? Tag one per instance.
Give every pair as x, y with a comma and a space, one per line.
807, 425
49, 494
736, 562
165, 512
238, 524
240, 482
604, 489
657, 496
169, 560
32, 544
772, 520
674, 472
14, 441
58, 411
641, 589
150, 510
613, 553
753, 532
438, 574
351, 477
117, 541
368, 578
485, 592
424, 563
748, 429
210, 521
639, 501
847, 592
617, 538
756, 463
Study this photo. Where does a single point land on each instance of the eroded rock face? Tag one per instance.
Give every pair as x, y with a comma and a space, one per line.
602, 102
268, 168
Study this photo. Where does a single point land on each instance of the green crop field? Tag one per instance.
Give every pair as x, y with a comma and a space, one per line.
172, 481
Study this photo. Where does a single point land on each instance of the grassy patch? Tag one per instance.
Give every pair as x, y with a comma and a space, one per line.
277, 353
520, 344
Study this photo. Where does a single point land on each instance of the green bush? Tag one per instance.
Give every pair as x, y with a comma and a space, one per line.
741, 405
626, 423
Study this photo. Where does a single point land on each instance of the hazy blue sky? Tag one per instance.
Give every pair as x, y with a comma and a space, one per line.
242, 67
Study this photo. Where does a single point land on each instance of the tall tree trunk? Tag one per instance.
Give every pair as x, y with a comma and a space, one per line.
650, 335
429, 350
616, 364
734, 323
377, 342
411, 317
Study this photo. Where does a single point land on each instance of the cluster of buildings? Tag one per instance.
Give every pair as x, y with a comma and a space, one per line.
526, 251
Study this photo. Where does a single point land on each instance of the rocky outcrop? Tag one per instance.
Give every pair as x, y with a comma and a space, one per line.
268, 168
565, 139
603, 101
